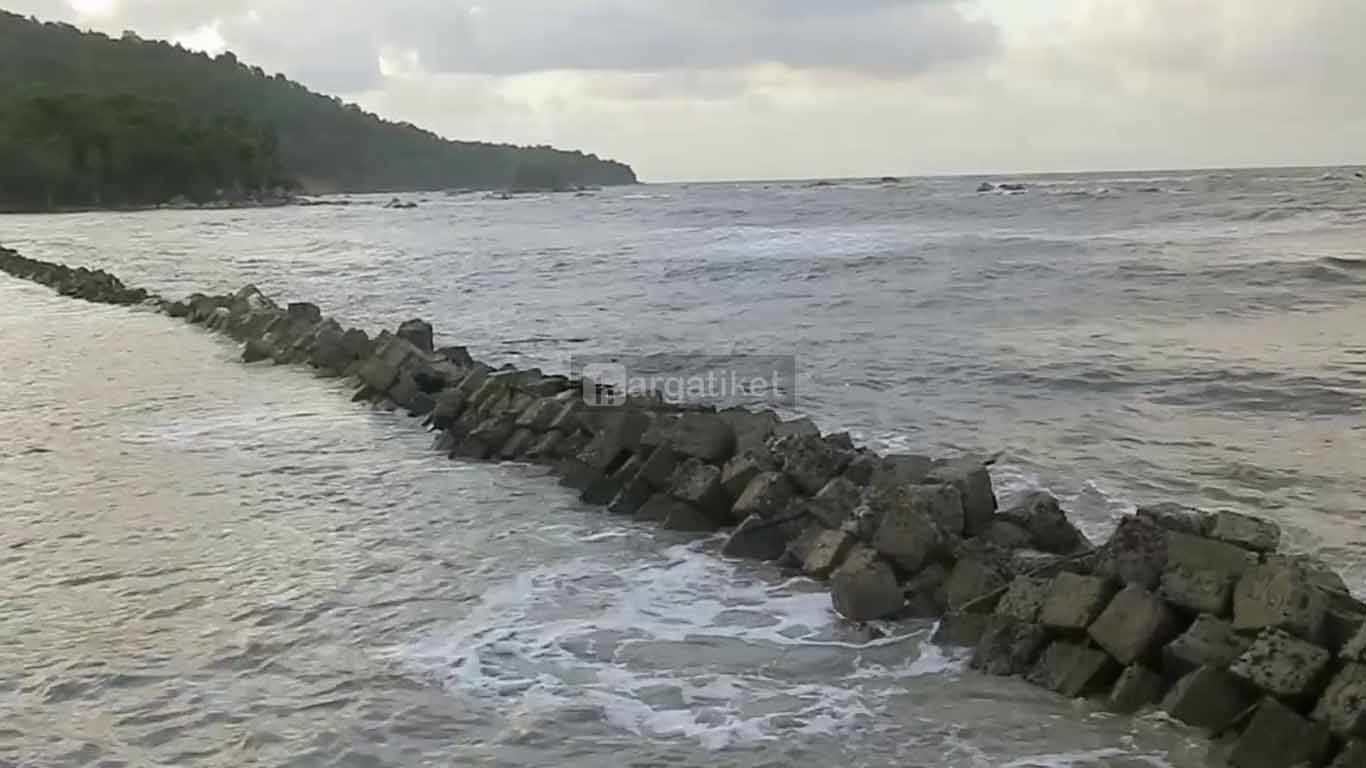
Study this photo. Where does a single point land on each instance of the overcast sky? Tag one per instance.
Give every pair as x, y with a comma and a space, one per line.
727, 89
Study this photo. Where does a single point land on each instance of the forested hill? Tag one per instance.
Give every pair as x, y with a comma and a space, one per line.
251, 127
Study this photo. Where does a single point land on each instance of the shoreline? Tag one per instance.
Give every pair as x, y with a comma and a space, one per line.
1191, 612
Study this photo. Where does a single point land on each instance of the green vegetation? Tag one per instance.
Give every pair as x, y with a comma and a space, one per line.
88, 120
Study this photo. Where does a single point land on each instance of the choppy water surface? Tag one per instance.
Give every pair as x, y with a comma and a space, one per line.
211, 564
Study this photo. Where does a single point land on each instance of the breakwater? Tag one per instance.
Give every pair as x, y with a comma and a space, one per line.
900, 520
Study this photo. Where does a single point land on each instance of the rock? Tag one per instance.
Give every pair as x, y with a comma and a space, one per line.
391, 354
865, 588
1209, 642
256, 350
1245, 531
1031, 562
1135, 554
972, 480
538, 416
1176, 517
835, 503
1208, 698
808, 460
826, 552
768, 496
986, 186
802, 427
1134, 625
705, 436
1278, 737
1197, 552
741, 470
632, 496
1343, 705
517, 445
457, 356
960, 630
1355, 647
682, 516
699, 485
1198, 591
970, 582
1074, 601
1008, 535
1353, 755
899, 469
1074, 670
546, 448
1283, 665
660, 466
617, 435
757, 539
862, 467
752, 430
1136, 688
926, 593
604, 487
1008, 647
1024, 599
1048, 526
1340, 627
906, 532
1282, 596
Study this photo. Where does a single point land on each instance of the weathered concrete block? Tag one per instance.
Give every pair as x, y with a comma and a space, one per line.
632, 496
907, 531
1200, 553
900, 469
705, 436
1008, 647
657, 507
757, 539
1209, 642
1353, 755
926, 596
969, 583
809, 461
539, 415
605, 487
960, 630
1074, 670
699, 484
835, 502
546, 447
256, 350
1049, 529
1343, 705
1007, 535
517, 445
1024, 598
970, 477
861, 468
752, 429
1278, 737
1136, 688
1283, 665
1135, 554
1199, 591
864, 587
827, 552
660, 465
1176, 517
1246, 531
1134, 625
416, 332
741, 470
768, 496
1282, 596
1074, 601
1208, 698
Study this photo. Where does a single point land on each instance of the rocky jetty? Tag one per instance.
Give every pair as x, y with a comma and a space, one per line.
1194, 613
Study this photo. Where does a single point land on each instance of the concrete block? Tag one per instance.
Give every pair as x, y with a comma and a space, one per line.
1176, 517
826, 552
960, 630
757, 539
1343, 705
864, 587
768, 495
835, 502
970, 581
1074, 601
1074, 670
1049, 529
1200, 553
699, 484
1208, 698
1209, 642
1353, 755
970, 477
1135, 554
1008, 647
1198, 590
1134, 625
1283, 665
1136, 688
1246, 531
1278, 737
1024, 598
1282, 596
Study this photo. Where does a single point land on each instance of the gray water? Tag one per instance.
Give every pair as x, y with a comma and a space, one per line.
218, 565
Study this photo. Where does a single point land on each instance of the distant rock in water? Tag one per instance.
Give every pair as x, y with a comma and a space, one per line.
821, 183
397, 204
890, 180
1011, 187
986, 186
